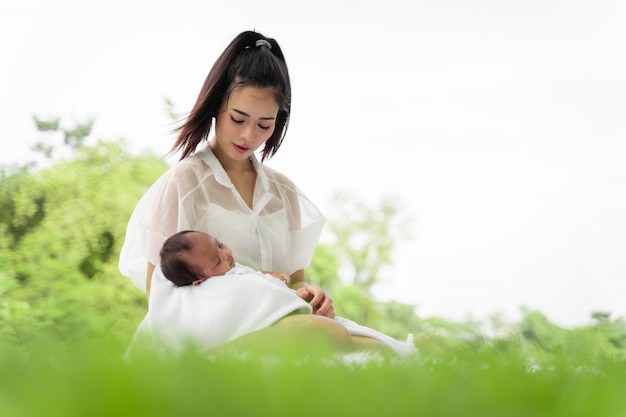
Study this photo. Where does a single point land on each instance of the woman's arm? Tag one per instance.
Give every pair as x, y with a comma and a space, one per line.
319, 299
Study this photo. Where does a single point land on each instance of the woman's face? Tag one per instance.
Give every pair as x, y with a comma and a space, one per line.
208, 256
244, 122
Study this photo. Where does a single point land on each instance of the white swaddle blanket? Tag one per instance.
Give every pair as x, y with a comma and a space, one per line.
226, 307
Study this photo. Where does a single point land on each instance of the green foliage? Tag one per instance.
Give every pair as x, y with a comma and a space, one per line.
63, 226
364, 239
602, 341
21, 206
73, 138
367, 240
615, 330
537, 329
398, 319
51, 125
324, 269
170, 110
352, 303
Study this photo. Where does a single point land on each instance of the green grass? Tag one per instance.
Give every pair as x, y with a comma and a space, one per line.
91, 380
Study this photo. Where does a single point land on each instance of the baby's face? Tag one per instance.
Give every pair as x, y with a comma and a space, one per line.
208, 255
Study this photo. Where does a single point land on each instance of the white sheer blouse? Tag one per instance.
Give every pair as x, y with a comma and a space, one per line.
278, 234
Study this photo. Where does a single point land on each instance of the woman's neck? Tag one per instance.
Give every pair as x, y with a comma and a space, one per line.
241, 173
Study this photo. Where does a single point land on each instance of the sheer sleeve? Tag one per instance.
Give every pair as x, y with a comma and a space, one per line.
304, 225
162, 211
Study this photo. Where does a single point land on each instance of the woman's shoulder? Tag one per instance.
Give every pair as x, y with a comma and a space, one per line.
184, 176
277, 178
191, 167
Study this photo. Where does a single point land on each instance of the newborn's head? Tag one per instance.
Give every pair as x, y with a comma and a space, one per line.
190, 257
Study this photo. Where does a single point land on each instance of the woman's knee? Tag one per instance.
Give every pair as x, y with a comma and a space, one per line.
317, 328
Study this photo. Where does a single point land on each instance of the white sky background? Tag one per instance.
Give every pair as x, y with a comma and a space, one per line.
499, 124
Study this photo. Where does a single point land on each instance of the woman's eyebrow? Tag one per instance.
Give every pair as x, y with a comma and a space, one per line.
247, 115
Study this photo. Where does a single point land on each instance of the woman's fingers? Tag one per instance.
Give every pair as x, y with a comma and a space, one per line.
327, 309
321, 302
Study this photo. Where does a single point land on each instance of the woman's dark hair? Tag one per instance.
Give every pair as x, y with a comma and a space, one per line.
172, 265
241, 63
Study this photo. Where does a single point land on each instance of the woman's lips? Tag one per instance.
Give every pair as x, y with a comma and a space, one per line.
241, 149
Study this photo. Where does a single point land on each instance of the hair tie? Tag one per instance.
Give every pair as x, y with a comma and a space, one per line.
263, 42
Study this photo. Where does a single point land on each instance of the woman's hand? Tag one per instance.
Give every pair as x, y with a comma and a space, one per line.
319, 299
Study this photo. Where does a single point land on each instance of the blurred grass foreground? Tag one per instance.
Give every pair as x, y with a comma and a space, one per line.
79, 378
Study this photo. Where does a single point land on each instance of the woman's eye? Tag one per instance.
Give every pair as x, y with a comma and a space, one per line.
235, 120
264, 127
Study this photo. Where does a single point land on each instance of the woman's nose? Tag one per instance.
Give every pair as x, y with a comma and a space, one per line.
247, 133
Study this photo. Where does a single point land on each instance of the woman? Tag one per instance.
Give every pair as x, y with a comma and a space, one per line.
222, 189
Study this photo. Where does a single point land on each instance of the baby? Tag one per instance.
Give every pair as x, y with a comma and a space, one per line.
190, 257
